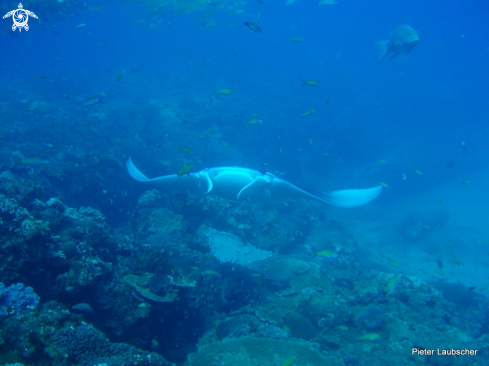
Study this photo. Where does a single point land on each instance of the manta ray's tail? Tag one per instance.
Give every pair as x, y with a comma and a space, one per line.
135, 172
350, 197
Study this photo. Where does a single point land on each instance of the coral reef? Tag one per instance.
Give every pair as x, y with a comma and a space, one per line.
16, 298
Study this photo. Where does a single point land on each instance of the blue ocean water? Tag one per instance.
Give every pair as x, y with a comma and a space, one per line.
91, 84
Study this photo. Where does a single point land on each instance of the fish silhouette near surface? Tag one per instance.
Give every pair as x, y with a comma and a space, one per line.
402, 40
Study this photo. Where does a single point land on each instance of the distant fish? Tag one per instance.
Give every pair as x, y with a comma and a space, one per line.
120, 76
83, 307
464, 148
328, 254
289, 361
392, 263
81, 25
93, 101
253, 27
186, 150
185, 170
402, 40
308, 112
311, 83
370, 337
224, 91
252, 122
464, 182
450, 164
296, 39
327, 100
392, 284
439, 263
33, 161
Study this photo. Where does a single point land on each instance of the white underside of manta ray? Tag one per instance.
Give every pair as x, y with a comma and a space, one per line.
237, 183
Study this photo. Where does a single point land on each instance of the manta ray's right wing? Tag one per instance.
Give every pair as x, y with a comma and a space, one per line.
345, 198
173, 181
350, 197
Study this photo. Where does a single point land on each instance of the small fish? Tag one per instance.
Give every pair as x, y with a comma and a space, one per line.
342, 328
472, 288
81, 25
382, 161
392, 263
326, 254
287, 329
33, 161
310, 141
289, 361
224, 91
308, 112
383, 184
450, 164
186, 150
252, 122
456, 262
252, 27
210, 272
425, 226
185, 170
49, 145
83, 307
41, 76
327, 100
440, 272
285, 203
144, 305
418, 171
370, 337
120, 76
464, 182
311, 83
92, 101
392, 284
464, 148
325, 154
296, 40
439, 263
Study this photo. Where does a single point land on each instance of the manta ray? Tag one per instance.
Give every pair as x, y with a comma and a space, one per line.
236, 183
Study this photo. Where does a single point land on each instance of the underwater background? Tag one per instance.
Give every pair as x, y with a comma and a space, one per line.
98, 269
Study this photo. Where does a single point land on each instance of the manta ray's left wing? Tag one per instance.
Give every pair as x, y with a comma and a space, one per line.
173, 181
280, 189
